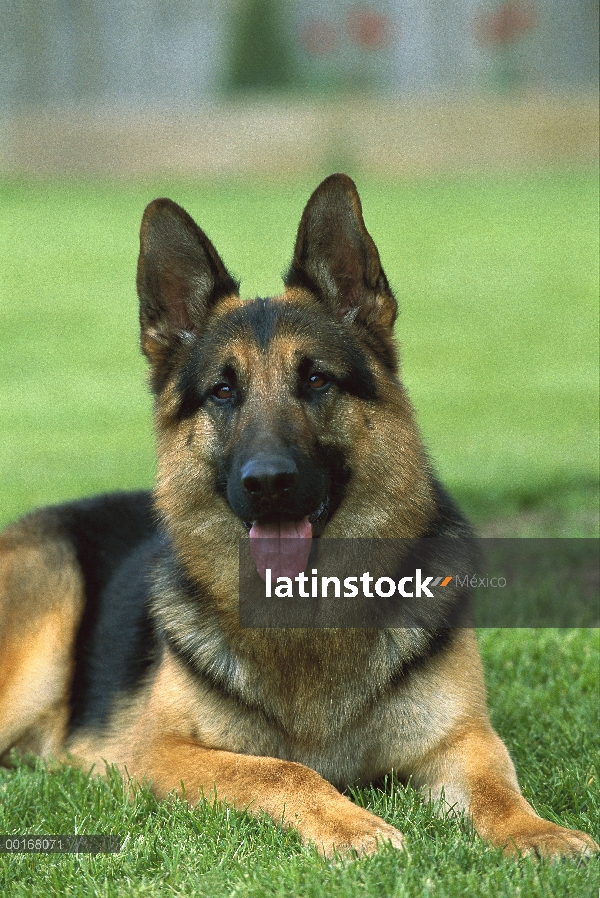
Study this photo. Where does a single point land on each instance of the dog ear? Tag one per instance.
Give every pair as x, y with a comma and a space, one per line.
180, 278
335, 257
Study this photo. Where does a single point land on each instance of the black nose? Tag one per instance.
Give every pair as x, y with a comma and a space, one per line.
269, 476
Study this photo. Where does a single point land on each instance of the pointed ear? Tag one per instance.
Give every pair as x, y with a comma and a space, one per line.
180, 278
335, 257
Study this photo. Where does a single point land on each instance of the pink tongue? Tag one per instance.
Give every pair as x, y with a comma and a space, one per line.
284, 547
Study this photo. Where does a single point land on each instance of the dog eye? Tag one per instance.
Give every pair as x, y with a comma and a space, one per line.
317, 381
222, 391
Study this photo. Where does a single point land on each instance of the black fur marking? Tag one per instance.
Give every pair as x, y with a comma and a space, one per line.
104, 531
262, 316
339, 475
191, 398
360, 381
449, 531
121, 645
438, 640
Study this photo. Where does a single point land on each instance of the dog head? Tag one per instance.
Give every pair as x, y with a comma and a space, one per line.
278, 417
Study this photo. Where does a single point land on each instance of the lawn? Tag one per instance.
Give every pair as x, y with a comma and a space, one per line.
497, 280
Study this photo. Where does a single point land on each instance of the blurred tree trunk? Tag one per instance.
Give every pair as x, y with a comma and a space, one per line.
260, 54
88, 75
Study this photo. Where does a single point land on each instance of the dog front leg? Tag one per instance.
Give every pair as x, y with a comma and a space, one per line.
474, 772
292, 794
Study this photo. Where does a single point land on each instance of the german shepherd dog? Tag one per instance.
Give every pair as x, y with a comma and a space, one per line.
275, 418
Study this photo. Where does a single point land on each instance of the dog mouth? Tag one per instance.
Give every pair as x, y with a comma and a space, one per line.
283, 546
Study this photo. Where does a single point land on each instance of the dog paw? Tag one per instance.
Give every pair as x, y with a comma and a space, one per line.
552, 842
369, 842
362, 834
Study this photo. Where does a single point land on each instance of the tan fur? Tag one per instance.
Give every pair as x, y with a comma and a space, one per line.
42, 600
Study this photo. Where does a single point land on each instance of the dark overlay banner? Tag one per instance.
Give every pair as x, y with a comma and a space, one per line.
432, 583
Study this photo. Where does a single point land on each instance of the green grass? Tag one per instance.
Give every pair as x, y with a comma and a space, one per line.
497, 280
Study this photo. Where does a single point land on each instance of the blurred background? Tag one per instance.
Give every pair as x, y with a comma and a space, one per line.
471, 128
205, 86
